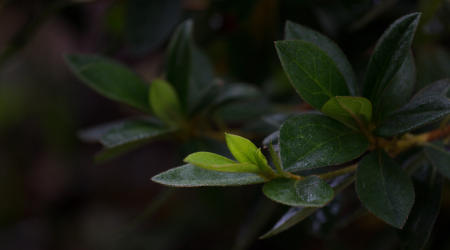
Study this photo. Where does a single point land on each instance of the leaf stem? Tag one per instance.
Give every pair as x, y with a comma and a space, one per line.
275, 159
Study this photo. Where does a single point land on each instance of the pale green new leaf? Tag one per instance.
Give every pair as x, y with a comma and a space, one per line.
241, 148
164, 102
349, 110
217, 162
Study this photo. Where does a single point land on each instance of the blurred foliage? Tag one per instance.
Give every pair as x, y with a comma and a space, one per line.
54, 197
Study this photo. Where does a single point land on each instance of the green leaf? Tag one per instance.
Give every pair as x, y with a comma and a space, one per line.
236, 91
310, 192
164, 102
297, 214
427, 106
311, 71
399, 90
296, 31
217, 162
384, 188
439, 157
349, 110
149, 23
188, 69
424, 213
110, 79
192, 176
241, 148
389, 54
132, 131
312, 140
292, 217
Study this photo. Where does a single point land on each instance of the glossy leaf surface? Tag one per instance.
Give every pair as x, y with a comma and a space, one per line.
310, 192
311, 71
191, 176
427, 106
384, 188
389, 54
296, 31
312, 140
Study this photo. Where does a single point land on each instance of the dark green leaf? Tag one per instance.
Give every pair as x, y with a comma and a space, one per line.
296, 31
149, 23
188, 69
399, 90
192, 176
212, 161
164, 102
384, 188
236, 91
312, 140
389, 54
439, 157
311, 71
297, 214
427, 106
423, 215
309, 192
110, 79
132, 131
349, 110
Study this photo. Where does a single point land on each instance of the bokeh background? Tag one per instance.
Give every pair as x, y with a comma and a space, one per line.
53, 196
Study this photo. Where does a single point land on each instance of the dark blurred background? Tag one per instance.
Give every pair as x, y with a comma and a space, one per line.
53, 196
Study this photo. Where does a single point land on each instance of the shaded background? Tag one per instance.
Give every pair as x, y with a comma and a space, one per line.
52, 195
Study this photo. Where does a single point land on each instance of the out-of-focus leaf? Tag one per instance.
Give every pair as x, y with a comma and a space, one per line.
217, 162
384, 188
132, 131
389, 54
439, 157
309, 192
110, 79
149, 23
399, 90
164, 102
349, 110
312, 140
427, 106
188, 69
297, 31
311, 71
191, 176
236, 91
424, 213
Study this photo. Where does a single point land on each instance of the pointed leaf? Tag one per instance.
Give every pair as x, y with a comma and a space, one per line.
439, 157
111, 79
188, 69
389, 54
312, 140
427, 106
424, 213
296, 31
164, 102
311, 71
349, 110
310, 192
384, 188
217, 162
399, 90
191, 176
241, 148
